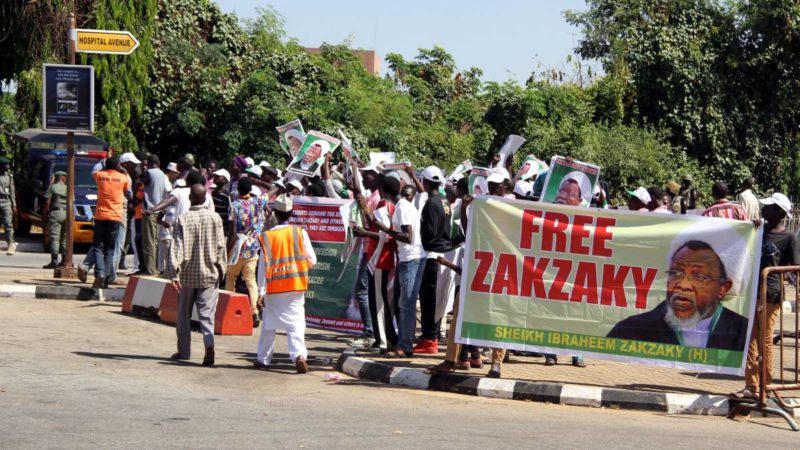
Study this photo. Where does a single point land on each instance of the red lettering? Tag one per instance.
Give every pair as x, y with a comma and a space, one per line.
484, 264
556, 292
532, 276
578, 234
505, 277
555, 226
643, 280
585, 283
614, 286
528, 227
601, 235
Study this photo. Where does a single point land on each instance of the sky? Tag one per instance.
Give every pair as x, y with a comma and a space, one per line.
507, 39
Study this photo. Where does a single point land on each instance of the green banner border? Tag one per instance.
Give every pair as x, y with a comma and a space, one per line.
598, 344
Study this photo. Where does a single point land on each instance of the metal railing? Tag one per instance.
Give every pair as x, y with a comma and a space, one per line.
770, 388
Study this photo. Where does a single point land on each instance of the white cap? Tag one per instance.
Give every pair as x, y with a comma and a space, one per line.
495, 178
172, 167
502, 171
642, 194
295, 133
283, 203
780, 200
222, 173
482, 185
727, 243
129, 158
523, 188
295, 183
583, 182
264, 164
250, 161
255, 170
433, 174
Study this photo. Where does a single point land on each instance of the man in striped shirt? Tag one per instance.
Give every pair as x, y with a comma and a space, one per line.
722, 207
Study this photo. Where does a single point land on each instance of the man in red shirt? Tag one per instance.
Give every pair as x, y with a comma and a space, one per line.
723, 207
112, 187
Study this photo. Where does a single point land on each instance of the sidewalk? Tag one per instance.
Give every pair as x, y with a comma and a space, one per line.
600, 384
40, 283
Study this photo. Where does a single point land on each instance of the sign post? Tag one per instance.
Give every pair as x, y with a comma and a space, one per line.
68, 104
105, 42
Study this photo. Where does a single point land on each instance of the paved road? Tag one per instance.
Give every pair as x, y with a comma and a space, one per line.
80, 375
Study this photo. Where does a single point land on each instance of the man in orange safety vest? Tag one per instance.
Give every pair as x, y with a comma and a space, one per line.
288, 256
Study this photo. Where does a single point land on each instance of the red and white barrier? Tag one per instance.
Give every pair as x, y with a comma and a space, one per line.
158, 296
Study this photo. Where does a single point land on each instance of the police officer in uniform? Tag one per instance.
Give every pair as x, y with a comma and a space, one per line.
56, 209
7, 203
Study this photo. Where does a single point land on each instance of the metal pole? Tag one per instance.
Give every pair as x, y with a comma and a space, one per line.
69, 267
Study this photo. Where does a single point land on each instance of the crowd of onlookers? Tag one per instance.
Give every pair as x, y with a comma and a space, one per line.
411, 228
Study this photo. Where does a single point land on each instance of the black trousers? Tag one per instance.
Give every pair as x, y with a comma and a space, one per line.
138, 243
427, 300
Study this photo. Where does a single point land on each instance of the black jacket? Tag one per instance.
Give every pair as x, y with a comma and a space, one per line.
730, 332
435, 225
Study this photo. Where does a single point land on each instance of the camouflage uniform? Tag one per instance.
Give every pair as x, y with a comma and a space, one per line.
7, 205
57, 218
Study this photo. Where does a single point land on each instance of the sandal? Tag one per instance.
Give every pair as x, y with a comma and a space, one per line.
441, 368
745, 393
396, 353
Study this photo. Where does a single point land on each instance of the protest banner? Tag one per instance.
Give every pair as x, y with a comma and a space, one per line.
477, 180
291, 137
674, 291
569, 182
510, 146
308, 161
461, 168
378, 159
353, 161
530, 167
328, 299
402, 166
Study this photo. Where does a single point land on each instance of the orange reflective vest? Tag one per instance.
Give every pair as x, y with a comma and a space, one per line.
285, 259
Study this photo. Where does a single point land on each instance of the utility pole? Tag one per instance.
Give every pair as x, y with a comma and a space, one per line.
69, 267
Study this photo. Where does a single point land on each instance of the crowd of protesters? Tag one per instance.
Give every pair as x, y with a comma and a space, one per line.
201, 227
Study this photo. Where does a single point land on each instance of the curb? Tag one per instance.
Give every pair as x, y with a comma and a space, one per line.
564, 394
61, 293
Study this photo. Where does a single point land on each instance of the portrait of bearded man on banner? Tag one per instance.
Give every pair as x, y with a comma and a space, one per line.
704, 270
573, 190
308, 162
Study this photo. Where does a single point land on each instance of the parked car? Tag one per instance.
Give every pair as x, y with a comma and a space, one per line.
42, 160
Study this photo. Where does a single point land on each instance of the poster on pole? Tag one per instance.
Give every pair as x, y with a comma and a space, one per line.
530, 168
674, 291
68, 97
379, 159
309, 159
465, 166
569, 182
510, 146
291, 137
477, 181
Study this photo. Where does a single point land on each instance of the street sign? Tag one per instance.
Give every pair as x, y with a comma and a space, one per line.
67, 97
105, 41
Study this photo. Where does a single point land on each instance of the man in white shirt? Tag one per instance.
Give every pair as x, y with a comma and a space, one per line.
406, 231
749, 201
